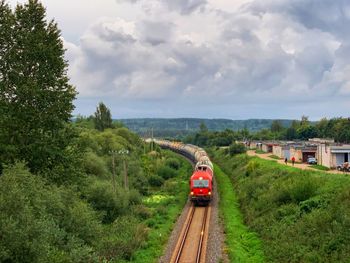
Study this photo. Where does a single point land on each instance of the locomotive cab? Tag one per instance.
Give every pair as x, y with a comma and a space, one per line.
201, 187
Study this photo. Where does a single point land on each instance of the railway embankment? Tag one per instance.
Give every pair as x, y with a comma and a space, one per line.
241, 244
299, 215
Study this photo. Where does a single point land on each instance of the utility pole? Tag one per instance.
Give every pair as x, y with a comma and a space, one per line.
123, 153
126, 181
113, 171
152, 140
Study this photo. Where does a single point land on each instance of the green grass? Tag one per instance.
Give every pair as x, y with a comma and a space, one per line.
258, 151
274, 157
242, 245
319, 167
165, 208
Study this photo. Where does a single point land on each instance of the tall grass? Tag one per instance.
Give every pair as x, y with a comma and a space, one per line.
242, 245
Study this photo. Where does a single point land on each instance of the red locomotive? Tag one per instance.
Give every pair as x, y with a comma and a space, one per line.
201, 181
201, 186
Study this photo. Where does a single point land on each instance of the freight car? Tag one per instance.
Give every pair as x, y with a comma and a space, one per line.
201, 181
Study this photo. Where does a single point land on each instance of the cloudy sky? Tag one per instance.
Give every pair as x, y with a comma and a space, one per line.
234, 59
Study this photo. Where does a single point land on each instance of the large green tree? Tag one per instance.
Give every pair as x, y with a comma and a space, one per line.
103, 117
276, 126
36, 99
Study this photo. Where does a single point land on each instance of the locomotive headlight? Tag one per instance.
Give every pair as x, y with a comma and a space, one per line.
191, 193
209, 193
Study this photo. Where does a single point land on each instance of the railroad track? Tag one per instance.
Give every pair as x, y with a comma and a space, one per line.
192, 242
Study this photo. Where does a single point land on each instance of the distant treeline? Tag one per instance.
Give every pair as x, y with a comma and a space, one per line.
181, 127
335, 128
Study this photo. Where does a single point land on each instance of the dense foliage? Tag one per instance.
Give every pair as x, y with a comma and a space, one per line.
36, 99
301, 216
94, 218
69, 192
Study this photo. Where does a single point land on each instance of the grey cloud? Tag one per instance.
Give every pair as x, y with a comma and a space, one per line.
182, 6
155, 32
327, 15
260, 55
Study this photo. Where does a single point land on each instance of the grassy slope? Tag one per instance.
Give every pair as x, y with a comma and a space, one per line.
242, 245
301, 216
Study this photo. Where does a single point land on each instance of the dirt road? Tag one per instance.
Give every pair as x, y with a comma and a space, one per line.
302, 166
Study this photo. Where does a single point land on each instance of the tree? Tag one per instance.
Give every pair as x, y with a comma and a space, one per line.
236, 148
103, 117
291, 133
306, 132
36, 99
203, 128
304, 121
276, 126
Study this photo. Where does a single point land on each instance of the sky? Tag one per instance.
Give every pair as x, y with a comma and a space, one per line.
235, 59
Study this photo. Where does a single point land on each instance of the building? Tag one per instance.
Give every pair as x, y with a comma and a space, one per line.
332, 155
268, 146
278, 151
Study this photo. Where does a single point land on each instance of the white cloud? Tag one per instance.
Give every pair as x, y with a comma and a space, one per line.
231, 56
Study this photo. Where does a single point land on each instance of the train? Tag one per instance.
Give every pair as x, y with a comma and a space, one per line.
201, 180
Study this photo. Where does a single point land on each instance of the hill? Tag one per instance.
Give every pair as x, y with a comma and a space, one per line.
179, 127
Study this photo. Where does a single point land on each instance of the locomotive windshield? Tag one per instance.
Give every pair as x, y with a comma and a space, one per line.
200, 183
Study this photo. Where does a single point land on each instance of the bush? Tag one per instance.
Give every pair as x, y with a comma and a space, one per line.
134, 197
173, 163
108, 202
95, 165
142, 212
236, 148
155, 180
123, 238
252, 167
166, 172
39, 223
303, 189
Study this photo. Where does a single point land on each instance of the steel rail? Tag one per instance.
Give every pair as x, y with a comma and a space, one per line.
184, 237
204, 223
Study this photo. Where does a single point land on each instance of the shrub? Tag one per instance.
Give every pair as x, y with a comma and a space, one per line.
170, 187
173, 163
155, 180
166, 172
236, 148
252, 167
142, 212
108, 202
303, 189
134, 197
39, 223
95, 165
123, 238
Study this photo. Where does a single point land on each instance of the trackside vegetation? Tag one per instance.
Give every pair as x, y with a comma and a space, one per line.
165, 205
93, 219
242, 245
300, 215
87, 190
